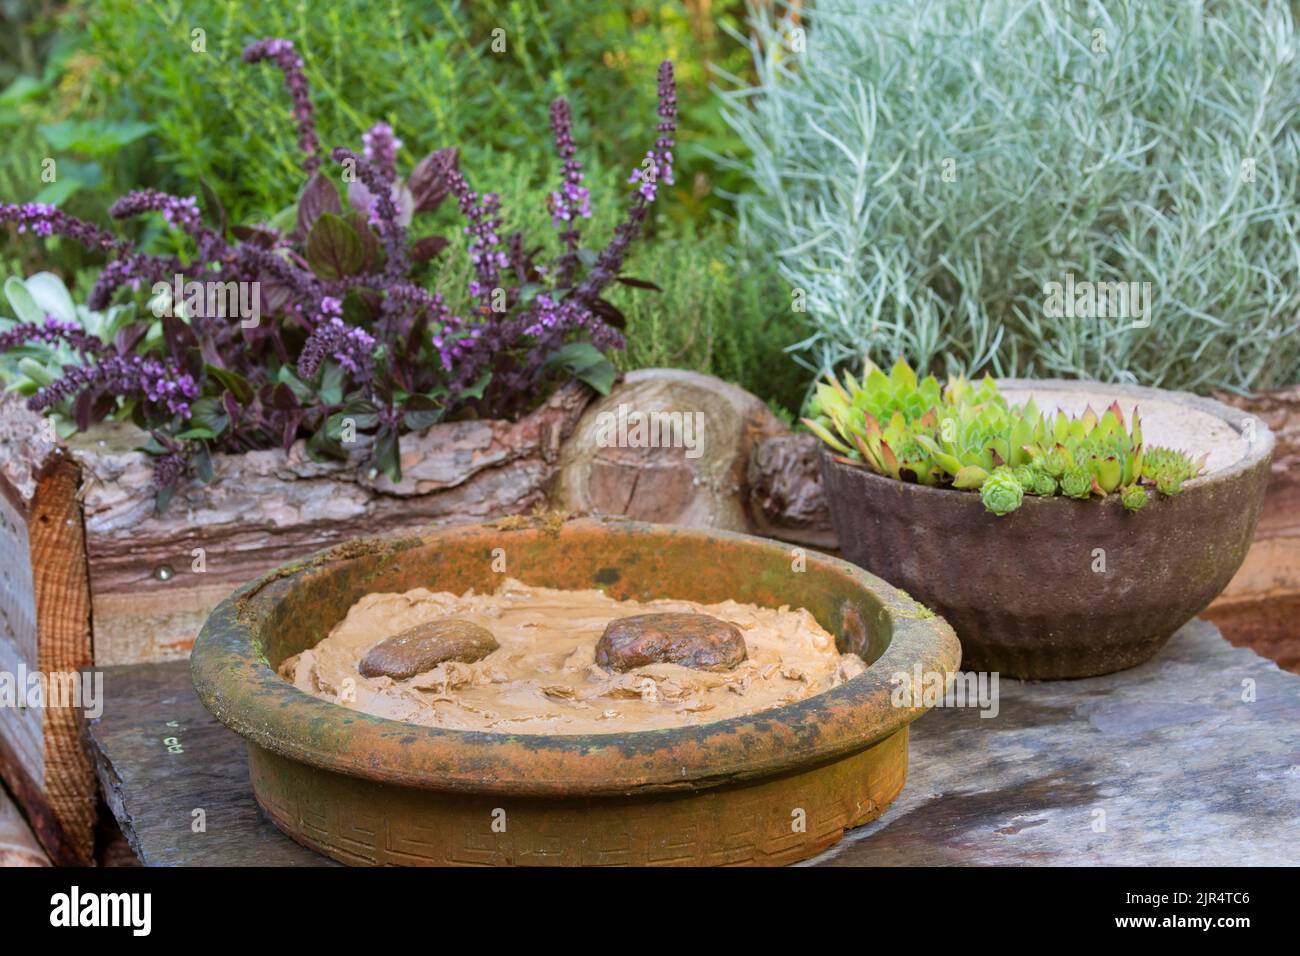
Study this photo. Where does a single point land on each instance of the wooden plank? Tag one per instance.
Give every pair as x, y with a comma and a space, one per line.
18, 845
1135, 768
44, 633
161, 756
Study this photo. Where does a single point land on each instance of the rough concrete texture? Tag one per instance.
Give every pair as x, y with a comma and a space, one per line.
1183, 768
1165, 422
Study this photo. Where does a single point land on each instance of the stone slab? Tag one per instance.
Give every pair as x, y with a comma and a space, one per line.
1165, 764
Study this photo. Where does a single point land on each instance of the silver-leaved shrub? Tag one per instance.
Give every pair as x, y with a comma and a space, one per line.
923, 173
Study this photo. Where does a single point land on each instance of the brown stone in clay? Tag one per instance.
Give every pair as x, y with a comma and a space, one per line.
692, 640
425, 646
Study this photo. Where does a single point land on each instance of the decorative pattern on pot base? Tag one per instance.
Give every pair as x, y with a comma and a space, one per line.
767, 823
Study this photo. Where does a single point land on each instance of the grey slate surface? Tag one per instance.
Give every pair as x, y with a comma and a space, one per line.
1182, 769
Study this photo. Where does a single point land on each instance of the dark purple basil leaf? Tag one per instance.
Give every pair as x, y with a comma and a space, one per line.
283, 398
609, 312
425, 249
638, 283
232, 409
83, 409
334, 250
275, 295
318, 197
264, 237
429, 182
290, 432
212, 205
415, 335
129, 337
104, 406
372, 251
210, 354
178, 335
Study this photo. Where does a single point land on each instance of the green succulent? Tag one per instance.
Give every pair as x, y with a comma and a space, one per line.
1045, 485
1168, 469
1133, 497
1001, 492
962, 434
1076, 482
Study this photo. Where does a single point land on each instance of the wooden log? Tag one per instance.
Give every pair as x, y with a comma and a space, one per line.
18, 845
155, 577
44, 632
1257, 609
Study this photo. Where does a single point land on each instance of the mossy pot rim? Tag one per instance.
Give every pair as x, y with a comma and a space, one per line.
238, 684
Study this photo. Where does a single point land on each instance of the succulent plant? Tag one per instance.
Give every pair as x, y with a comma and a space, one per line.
1133, 497
965, 435
1076, 482
1168, 469
1001, 492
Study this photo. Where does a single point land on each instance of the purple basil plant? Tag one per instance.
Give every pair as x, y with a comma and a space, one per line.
346, 347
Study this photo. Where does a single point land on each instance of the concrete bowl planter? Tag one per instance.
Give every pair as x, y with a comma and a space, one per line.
367, 790
1062, 588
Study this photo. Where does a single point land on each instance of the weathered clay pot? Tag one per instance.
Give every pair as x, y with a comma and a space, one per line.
773, 787
1061, 588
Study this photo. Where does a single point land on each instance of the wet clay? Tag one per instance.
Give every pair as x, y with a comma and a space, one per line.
543, 678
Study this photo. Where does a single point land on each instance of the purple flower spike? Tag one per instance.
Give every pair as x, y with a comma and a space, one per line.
485, 248
282, 53
573, 200
384, 212
351, 347
42, 219
380, 149
667, 121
